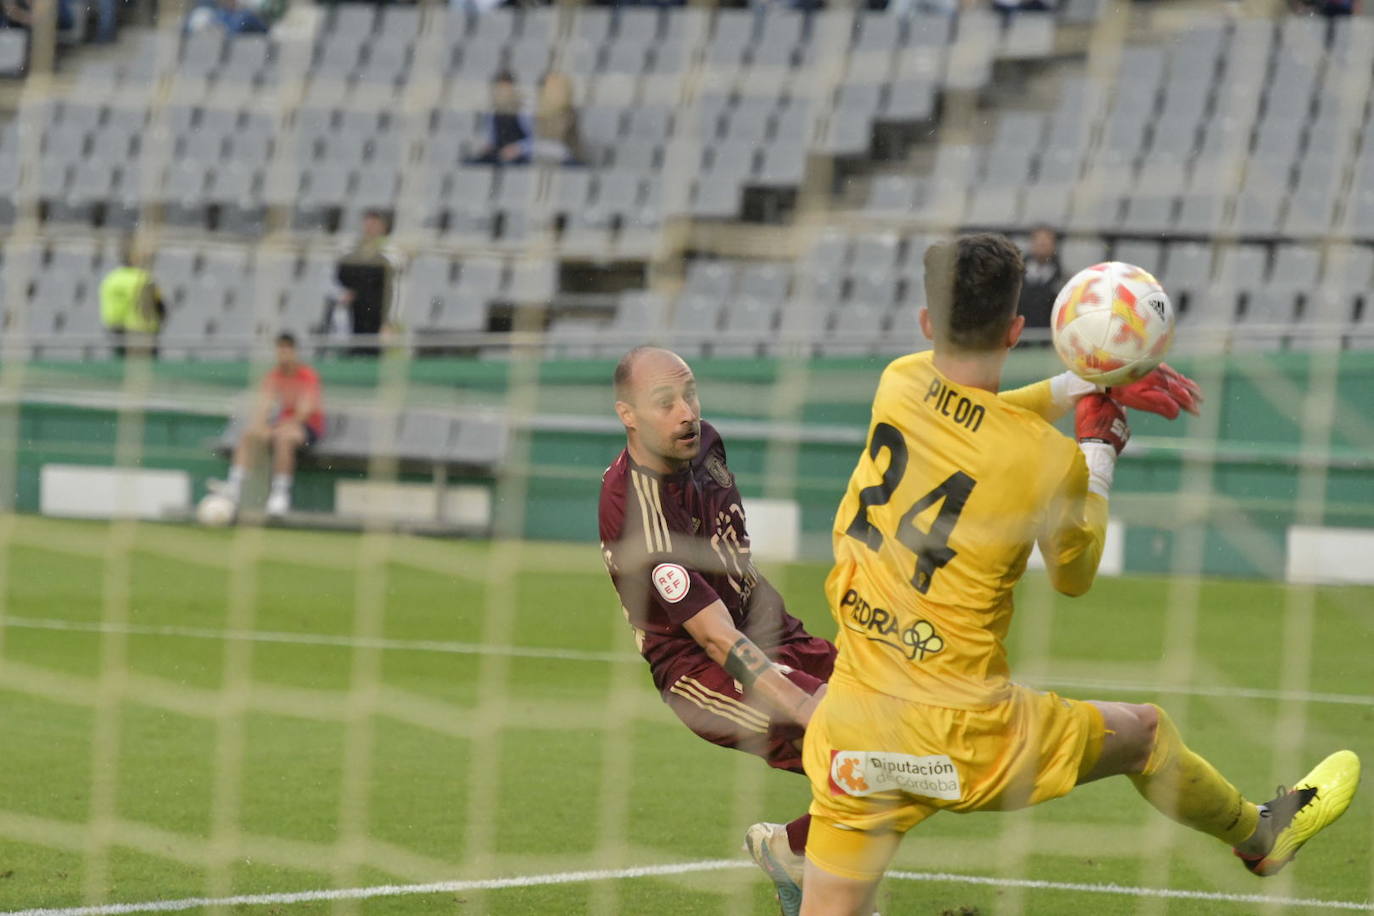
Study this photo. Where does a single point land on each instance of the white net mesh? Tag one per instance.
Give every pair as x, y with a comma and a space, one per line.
373, 720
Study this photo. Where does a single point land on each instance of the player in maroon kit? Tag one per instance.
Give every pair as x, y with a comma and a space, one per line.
727, 657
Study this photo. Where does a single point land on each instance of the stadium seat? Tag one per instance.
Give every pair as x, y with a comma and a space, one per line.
1211, 310
783, 165
1028, 38
716, 198
1242, 268
878, 291
532, 281
765, 283
636, 315
748, 323
573, 337
856, 330
458, 312
1149, 255
695, 321
1187, 269
1267, 313
1142, 157
482, 278
1296, 267
1201, 214
14, 52
1076, 254
1006, 166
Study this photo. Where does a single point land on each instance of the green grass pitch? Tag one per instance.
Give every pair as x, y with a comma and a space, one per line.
241, 766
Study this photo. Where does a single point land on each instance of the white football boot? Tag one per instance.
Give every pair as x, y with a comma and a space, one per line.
767, 845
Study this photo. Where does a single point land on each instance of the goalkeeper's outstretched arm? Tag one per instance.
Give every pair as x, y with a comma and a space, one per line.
1051, 398
1076, 525
1074, 533
715, 632
1164, 391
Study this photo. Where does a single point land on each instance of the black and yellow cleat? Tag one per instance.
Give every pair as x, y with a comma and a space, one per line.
1297, 815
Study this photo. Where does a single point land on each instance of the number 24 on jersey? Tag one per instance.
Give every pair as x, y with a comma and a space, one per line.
931, 546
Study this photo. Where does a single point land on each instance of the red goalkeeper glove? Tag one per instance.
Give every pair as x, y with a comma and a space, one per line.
1099, 419
1164, 391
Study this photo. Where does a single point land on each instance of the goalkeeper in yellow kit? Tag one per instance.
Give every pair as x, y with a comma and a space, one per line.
955, 486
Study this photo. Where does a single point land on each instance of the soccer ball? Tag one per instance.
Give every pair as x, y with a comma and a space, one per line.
216, 511
1112, 323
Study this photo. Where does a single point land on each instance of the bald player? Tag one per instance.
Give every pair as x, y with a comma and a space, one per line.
727, 657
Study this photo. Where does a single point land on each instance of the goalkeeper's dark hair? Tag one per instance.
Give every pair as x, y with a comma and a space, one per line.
972, 287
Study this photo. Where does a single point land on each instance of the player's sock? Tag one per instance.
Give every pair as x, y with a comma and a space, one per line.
796, 834
233, 487
1261, 839
1183, 786
281, 483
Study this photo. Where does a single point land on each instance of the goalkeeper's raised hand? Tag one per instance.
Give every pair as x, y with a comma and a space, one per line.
1100, 421
1164, 391
1100, 427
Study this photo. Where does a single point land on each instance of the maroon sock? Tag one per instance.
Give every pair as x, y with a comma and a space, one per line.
796, 833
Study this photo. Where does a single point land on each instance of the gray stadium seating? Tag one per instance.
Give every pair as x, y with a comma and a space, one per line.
1251, 131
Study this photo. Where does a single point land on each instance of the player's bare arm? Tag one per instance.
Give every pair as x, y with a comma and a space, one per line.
745, 662
306, 407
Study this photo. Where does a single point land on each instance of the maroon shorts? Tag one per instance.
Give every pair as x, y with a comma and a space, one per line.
711, 703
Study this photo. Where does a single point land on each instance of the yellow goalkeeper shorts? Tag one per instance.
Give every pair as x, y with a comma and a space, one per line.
880, 765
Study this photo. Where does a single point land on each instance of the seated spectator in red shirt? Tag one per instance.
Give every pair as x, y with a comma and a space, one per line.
289, 417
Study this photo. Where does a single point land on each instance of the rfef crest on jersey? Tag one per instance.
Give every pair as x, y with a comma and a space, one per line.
715, 466
671, 581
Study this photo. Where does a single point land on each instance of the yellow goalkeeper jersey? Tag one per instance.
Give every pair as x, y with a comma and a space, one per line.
936, 525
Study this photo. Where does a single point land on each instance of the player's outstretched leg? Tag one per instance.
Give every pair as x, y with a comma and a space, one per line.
1298, 814
1178, 782
1144, 743
774, 848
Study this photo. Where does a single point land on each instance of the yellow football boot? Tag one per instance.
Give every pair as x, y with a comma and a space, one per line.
1299, 814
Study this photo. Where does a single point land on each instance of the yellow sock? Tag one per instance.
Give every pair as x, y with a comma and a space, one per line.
1185, 787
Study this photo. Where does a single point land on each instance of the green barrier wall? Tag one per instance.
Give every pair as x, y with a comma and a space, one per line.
1284, 438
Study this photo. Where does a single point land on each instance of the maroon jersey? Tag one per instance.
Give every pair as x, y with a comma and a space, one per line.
674, 543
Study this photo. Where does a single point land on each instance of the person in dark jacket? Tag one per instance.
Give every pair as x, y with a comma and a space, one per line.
508, 130
1044, 276
365, 274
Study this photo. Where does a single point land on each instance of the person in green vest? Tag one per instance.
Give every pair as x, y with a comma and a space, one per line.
131, 306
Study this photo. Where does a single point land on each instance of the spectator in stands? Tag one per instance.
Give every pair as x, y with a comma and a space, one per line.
288, 418
107, 21
1331, 8
508, 130
1044, 276
1012, 6
555, 122
131, 306
234, 17
19, 14
365, 275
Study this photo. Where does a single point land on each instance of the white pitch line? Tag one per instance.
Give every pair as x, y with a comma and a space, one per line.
1125, 890
653, 871
1245, 693
390, 890
581, 655
314, 639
